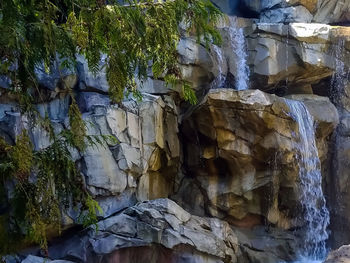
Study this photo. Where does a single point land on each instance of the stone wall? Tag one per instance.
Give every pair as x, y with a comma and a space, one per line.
222, 176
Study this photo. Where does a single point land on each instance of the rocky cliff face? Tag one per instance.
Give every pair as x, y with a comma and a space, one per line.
221, 181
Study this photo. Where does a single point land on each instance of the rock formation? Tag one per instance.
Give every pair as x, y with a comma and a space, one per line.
341, 255
219, 181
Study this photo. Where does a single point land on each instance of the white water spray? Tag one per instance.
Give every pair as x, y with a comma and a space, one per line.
315, 213
238, 45
220, 79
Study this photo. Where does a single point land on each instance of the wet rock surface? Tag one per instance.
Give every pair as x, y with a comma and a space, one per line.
241, 155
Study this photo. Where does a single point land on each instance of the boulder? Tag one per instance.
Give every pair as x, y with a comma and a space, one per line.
241, 151
266, 245
295, 56
159, 226
341, 255
286, 15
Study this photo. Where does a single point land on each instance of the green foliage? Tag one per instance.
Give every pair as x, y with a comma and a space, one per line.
89, 217
189, 94
38, 32
17, 160
77, 126
47, 183
22, 156
131, 35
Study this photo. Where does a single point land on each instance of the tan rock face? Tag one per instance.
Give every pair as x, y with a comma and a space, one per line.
241, 151
342, 255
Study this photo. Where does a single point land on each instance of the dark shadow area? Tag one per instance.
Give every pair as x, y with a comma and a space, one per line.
236, 8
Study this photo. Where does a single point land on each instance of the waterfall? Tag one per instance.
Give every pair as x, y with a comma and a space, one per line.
220, 79
238, 45
315, 213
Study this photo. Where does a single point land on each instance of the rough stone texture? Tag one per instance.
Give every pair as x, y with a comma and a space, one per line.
137, 232
57, 78
238, 148
88, 100
264, 245
341, 255
332, 11
89, 81
319, 11
338, 181
241, 154
303, 57
35, 259
148, 146
286, 15
292, 58
142, 166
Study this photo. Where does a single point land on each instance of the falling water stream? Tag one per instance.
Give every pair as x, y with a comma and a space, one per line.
315, 214
220, 79
238, 45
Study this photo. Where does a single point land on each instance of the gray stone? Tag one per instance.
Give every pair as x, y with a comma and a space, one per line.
56, 109
153, 86
341, 255
286, 15
113, 204
146, 224
332, 11
56, 78
4, 108
89, 81
193, 53
103, 176
88, 100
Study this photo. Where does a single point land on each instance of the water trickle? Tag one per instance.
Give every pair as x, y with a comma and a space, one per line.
220, 79
315, 213
238, 45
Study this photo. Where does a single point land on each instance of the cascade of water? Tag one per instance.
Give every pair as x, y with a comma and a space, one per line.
220, 79
238, 45
315, 212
